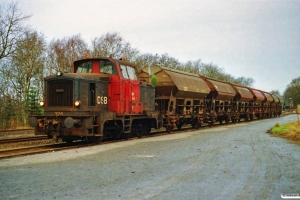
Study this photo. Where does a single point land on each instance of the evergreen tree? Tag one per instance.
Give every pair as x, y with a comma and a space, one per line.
32, 106
154, 80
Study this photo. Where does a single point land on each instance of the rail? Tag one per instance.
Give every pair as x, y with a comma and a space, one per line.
25, 139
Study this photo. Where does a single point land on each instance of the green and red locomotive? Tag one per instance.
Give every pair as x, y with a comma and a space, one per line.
103, 98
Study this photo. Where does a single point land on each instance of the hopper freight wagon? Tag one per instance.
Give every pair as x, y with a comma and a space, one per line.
220, 102
243, 102
179, 96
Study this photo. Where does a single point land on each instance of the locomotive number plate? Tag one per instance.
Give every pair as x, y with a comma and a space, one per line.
101, 99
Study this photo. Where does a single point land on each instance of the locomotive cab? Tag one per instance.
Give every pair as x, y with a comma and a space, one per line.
124, 87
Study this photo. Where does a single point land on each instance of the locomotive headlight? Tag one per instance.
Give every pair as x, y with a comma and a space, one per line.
77, 103
42, 103
59, 73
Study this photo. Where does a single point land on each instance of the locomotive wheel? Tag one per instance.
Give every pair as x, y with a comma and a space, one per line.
97, 139
139, 133
94, 139
67, 140
118, 131
126, 135
139, 130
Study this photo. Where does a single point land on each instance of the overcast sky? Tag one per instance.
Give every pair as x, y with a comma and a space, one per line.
256, 39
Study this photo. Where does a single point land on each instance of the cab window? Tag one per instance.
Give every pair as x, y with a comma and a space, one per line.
131, 73
107, 67
124, 72
84, 67
128, 72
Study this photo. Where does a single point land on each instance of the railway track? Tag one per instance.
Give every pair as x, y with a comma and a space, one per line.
25, 139
16, 130
25, 151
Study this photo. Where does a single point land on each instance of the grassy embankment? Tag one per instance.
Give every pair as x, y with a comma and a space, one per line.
289, 131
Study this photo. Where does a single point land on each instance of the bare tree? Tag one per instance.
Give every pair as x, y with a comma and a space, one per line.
192, 66
11, 28
276, 92
168, 61
62, 53
113, 45
26, 69
145, 60
244, 81
107, 45
129, 52
212, 71
292, 92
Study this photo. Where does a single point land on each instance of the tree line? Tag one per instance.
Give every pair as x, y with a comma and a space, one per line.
26, 58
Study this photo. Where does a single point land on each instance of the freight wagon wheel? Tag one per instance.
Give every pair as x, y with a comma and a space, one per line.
196, 124
180, 123
226, 121
251, 117
179, 126
169, 128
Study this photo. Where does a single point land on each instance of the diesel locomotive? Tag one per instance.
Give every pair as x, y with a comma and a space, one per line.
105, 98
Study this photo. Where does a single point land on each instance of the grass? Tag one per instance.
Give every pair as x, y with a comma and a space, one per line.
290, 131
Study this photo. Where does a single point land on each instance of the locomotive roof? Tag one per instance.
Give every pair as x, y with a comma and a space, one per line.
122, 62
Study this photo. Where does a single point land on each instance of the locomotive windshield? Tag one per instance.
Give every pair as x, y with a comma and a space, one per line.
84, 67
107, 67
128, 72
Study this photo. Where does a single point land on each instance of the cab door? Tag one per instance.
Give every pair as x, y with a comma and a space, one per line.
131, 87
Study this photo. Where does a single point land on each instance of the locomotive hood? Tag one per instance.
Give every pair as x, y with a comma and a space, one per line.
90, 76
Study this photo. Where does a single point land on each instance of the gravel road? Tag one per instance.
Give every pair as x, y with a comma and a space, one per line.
238, 161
